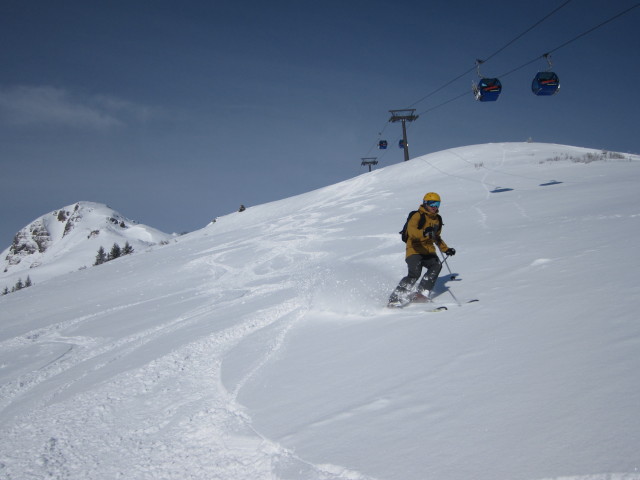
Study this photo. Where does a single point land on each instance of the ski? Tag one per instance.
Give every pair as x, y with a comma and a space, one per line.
434, 308
441, 308
446, 307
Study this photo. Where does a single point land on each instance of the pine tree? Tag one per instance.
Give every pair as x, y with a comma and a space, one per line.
28, 283
101, 257
115, 252
127, 250
5, 291
19, 285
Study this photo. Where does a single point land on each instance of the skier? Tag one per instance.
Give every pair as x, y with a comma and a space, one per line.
423, 234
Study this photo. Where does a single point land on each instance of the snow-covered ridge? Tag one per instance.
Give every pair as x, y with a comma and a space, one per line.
259, 347
68, 239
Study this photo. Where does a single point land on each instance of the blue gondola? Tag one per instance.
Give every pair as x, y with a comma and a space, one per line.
545, 84
382, 144
487, 89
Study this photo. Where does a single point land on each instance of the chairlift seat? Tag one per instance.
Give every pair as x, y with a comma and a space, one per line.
382, 144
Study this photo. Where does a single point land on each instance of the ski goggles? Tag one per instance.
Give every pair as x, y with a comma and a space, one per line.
432, 203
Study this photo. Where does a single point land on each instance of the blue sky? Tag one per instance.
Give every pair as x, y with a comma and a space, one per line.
174, 113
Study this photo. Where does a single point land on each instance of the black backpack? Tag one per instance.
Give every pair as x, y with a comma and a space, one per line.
423, 219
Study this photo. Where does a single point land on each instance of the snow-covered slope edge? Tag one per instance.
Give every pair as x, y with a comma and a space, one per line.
259, 347
68, 239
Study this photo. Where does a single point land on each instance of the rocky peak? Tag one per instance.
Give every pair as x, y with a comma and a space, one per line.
72, 235
34, 238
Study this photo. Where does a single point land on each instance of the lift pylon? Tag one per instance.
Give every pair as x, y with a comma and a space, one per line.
404, 116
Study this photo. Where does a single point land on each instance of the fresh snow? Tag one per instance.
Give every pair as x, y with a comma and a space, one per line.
260, 347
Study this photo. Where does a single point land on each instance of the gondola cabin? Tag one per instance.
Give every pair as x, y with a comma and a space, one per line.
545, 84
487, 89
382, 144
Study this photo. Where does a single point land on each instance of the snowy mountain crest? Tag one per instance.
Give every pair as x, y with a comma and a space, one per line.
71, 236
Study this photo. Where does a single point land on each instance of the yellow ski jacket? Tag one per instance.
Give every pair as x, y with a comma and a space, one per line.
422, 241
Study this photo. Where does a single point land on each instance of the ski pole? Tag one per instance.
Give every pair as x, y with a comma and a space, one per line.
444, 260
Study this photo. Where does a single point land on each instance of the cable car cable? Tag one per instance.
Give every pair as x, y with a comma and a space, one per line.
595, 28
543, 55
577, 37
493, 54
527, 31
573, 39
475, 66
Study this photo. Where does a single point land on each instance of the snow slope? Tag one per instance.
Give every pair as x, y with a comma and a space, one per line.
260, 348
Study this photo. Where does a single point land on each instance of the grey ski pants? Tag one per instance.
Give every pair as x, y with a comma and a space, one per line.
416, 263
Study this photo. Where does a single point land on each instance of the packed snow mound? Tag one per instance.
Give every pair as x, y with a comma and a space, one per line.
260, 347
69, 238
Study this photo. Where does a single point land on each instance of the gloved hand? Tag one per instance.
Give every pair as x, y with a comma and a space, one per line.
451, 252
429, 232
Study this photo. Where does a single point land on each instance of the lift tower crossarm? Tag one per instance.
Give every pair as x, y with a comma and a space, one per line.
369, 161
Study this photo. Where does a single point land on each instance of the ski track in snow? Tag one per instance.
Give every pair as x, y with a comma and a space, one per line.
172, 424
211, 426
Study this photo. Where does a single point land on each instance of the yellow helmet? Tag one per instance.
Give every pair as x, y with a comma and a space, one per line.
431, 197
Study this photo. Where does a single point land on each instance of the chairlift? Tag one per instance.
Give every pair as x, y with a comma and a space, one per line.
401, 144
487, 89
545, 83
382, 144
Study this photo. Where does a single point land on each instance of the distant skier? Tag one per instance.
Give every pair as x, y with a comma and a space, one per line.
423, 230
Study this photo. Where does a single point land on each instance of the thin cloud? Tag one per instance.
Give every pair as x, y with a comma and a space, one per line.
51, 106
